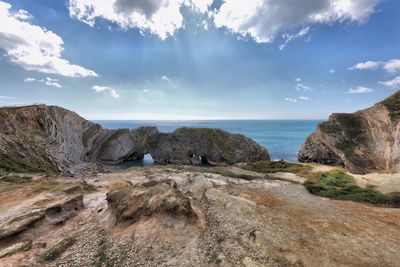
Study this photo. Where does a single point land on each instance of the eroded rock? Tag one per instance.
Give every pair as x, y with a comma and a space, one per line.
133, 202
198, 146
361, 142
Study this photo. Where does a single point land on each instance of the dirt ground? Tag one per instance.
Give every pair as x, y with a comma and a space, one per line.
237, 223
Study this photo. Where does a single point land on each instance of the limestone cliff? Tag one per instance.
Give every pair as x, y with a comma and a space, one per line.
53, 139
362, 142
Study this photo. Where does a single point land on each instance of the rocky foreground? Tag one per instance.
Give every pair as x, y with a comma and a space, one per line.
362, 142
43, 138
172, 216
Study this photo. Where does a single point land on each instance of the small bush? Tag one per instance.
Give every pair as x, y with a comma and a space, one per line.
339, 185
276, 166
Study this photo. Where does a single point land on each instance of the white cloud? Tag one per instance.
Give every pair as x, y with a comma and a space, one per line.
145, 90
48, 81
298, 80
368, 65
294, 100
106, 89
52, 82
359, 90
33, 47
395, 83
290, 37
165, 78
301, 86
29, 80
263, 20
332, 71
391, 66
306, 98
162, 18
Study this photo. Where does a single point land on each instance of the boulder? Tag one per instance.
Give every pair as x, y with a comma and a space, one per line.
364, 141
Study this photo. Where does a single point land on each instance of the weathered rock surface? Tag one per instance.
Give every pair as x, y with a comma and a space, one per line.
361, 142
53, 139
50, 138
205, 146
164, 216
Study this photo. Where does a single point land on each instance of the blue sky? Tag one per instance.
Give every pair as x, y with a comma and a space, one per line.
200, 59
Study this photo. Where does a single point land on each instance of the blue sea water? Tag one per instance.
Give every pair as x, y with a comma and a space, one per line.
282, 138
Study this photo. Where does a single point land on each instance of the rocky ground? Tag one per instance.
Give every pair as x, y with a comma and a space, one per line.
169, 216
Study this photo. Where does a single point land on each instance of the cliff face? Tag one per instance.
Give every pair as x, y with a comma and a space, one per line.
53, 139
361, 142
49, 138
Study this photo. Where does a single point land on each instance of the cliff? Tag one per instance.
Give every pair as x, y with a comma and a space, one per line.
362, 142
53, 139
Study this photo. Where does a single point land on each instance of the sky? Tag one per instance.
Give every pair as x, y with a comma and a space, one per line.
199, 59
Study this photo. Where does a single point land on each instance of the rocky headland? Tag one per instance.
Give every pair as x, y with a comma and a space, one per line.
52, 139
362, 142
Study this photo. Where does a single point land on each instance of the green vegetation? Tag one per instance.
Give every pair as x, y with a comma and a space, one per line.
222, 171
329, 127
393, 105
276, 166
54, 252
16, 179
339, 185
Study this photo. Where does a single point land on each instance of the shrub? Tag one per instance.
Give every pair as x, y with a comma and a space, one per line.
276, 166
339, 185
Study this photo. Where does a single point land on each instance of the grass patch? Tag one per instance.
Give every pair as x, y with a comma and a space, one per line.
339, 185
221, 171
329, 127
276, 166
393, 105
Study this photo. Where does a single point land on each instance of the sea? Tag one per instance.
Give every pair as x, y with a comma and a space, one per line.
282, 138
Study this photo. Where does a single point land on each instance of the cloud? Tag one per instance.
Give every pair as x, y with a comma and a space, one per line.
145, 90
47, 81
52, 82
359, 90
290, 37
391, 66
33, 47
28, 80
161, 18
294, 100
298, 79
395, 83
263, 20
301, 86
165, 78
106, 89
332, 71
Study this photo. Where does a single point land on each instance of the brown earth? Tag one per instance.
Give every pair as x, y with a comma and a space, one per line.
162, 216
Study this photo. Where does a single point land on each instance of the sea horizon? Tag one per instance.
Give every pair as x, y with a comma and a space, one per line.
282, 138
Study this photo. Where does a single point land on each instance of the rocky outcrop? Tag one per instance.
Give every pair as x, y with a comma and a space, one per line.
205, 146
131, 203
361, 142
53, 139
50, 138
